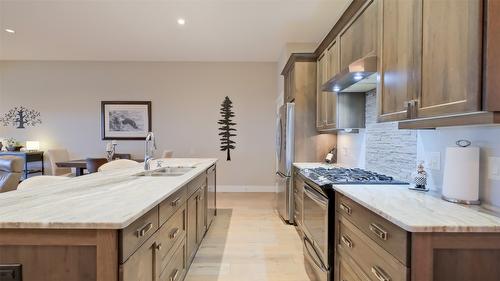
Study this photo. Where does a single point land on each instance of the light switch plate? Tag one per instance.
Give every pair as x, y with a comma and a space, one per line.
433, 161
494, 168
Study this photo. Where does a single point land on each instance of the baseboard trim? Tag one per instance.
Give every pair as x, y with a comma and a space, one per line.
246, 188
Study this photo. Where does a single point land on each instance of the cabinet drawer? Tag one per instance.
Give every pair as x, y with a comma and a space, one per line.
196, 183
135, 234
171, 232
172, 204
177, 266
346, 272
386, 234
374, 261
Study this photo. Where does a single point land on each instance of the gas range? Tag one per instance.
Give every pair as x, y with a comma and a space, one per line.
337, 175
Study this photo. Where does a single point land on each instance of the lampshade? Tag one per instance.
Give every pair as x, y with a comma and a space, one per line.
32, 145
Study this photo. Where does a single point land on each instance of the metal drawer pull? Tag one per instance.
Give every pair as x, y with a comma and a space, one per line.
174, 276
174, 233
175, 203
347, 241
143, 230
345, 208
379, 231
380, 274
158, 246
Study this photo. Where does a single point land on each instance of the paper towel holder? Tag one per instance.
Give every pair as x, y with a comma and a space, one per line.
463, 144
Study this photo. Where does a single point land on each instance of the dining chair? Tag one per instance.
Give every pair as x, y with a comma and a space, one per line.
40, 180
118, 164
55, 156
11, 168
122, 156
93, 164
168, 153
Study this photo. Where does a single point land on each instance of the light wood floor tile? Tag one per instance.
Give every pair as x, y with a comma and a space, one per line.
248, 242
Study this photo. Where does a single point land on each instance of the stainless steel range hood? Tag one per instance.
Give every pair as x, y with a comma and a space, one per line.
360, 76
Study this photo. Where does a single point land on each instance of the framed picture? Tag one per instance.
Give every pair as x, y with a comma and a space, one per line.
125, 120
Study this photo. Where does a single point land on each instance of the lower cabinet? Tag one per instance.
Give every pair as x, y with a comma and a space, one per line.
196, 221
170, 249
141, 265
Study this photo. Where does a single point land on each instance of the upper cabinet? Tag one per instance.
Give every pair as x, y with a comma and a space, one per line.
326, 102
359, 38
431, 63
290, 85
451, 57
399, 58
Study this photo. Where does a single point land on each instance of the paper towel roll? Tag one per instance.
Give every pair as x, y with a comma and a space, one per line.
461, 175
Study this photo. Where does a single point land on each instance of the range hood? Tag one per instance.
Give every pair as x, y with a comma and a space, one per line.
359, 77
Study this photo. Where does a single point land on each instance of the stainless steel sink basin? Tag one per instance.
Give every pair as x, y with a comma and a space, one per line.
166, 172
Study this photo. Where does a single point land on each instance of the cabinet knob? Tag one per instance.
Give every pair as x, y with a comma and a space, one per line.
158, 246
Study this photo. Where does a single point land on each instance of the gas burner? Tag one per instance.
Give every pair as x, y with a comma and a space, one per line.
323, 176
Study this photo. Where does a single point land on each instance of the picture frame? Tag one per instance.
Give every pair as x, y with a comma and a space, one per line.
125, 120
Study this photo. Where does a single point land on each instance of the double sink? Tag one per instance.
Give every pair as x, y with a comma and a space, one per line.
166, 172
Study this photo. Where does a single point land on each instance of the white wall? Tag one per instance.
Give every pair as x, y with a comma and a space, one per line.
185, 97
487, 138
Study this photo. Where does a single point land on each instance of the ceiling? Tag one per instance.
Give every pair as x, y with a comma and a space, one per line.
142, 30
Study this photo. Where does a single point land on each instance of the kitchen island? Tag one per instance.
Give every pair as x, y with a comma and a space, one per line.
116, 225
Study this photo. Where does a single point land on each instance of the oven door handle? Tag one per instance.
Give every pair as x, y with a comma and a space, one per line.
315, 257
313, 194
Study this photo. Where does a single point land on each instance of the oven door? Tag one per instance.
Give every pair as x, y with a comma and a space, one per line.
315, 218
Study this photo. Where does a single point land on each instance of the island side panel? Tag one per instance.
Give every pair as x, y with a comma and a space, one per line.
56, 254
455, 256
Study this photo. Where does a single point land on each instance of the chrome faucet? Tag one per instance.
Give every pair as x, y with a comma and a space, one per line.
149, 150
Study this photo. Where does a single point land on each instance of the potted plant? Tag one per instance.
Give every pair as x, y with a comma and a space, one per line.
12, 145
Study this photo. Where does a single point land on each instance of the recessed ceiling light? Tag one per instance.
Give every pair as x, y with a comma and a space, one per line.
10, 30
181, 21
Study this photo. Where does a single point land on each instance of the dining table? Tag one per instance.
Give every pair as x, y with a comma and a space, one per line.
80, 165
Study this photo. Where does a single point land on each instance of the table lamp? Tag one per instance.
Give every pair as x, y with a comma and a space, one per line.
32, 145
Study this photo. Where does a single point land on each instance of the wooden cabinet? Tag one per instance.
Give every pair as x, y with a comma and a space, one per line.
359, 37
290, 85
326, 102
320, 95
298, 199
430, 60
211, 194
196, 222
451, 57
141, 265
399, 57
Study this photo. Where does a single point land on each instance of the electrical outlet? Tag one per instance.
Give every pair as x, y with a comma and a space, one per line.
494, 168
433, 161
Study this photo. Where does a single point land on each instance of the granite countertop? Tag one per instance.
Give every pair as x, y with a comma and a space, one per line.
105, 200
417, 211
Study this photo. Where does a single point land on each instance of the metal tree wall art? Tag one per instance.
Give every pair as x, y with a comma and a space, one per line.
227, 130
20, 117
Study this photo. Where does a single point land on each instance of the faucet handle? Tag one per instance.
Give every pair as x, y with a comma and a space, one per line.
159, 163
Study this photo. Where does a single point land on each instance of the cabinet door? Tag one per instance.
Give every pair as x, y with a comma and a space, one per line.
359, 39
320, 95
399, 57
191, 226
211, 195
290, 85
141, 265
330, 98
201, 218
333, 53
451, 57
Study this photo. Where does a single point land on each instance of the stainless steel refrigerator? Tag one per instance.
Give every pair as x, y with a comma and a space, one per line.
285, 157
